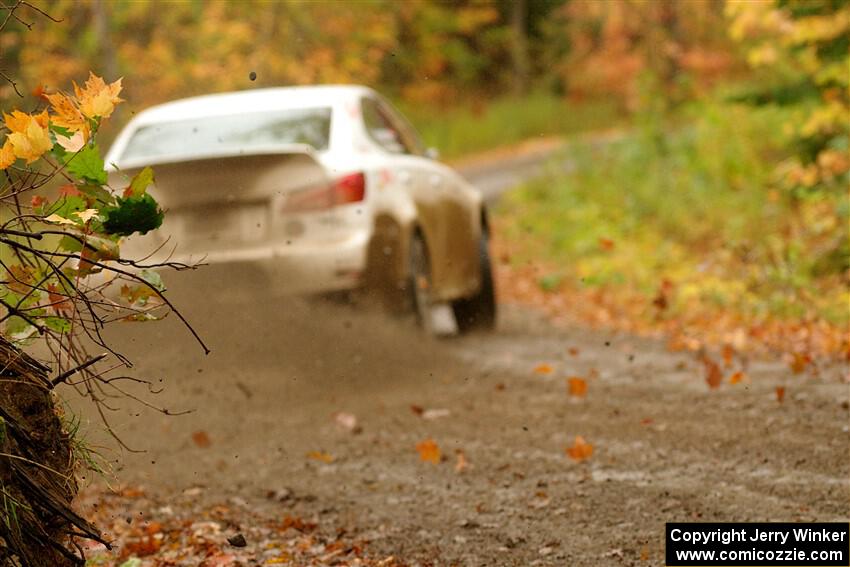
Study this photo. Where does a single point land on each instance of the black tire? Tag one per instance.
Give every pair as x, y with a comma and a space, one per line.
420, 282
478, 313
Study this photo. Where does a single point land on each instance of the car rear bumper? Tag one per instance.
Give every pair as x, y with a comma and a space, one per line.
302, 267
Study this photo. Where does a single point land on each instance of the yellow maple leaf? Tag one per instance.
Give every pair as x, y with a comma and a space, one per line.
97, 98
30, 137
7, 155
320, 456
67, 114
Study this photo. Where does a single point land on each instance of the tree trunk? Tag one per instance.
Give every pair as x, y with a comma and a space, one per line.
519, 46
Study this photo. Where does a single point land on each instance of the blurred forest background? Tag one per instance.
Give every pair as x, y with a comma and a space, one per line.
721, 205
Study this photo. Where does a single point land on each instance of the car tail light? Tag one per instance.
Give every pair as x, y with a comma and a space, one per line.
347, 189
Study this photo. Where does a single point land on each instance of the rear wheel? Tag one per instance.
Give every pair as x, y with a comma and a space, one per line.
479, 311
420, 282
435, 317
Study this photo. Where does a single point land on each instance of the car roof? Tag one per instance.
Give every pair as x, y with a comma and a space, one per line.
252, 100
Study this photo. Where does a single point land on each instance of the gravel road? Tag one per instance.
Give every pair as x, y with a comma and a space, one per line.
313, 408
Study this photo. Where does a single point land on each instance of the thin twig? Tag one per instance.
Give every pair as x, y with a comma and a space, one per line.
68, 373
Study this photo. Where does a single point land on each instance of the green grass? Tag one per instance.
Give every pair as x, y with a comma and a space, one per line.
693, 205
469, 128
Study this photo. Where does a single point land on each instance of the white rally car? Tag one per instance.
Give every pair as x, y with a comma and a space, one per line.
329, 187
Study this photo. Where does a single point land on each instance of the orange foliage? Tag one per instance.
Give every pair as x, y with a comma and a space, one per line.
580, 450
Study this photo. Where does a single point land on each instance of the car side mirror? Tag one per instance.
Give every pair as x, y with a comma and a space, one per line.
432, 153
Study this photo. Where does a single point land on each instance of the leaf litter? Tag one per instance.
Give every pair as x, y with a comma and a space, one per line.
145, 533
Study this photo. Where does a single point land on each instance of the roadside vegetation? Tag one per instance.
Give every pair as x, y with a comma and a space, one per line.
478, 126
724, 217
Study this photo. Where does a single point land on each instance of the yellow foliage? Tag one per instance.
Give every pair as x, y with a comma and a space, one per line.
29, 136
96, 98
7, 155
67, 114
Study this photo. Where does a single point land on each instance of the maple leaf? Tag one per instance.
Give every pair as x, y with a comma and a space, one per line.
72, 144
737, 377
97, 99
86, 215
60, 303
320, 456
30, 137
67, 115
21, 278
7, 155
780, 393
58, 220
577, 386
38, 91
462, 464
713, 375
201, 439
543, 368
429, 451
580, 450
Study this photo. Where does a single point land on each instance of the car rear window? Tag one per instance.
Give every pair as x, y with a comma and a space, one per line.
237, 132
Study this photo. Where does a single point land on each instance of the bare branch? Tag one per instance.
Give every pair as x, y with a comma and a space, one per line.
68, 373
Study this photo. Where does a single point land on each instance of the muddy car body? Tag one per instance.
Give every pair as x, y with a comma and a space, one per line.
328, 188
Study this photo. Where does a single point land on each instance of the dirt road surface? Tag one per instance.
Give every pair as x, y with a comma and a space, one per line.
267, 405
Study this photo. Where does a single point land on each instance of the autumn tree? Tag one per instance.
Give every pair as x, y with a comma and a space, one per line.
801, 52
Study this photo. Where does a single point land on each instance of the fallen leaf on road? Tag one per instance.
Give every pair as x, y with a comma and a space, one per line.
320, 456
146, 545
780, 393
435, 413
297, 523
429, 451
540, 500
543, 369
573, 351
347, 421
131, 493
737, 377
500, 387
462, 464
418, 410
577, 386
580, 450
647, 421
201, 439
713, 375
